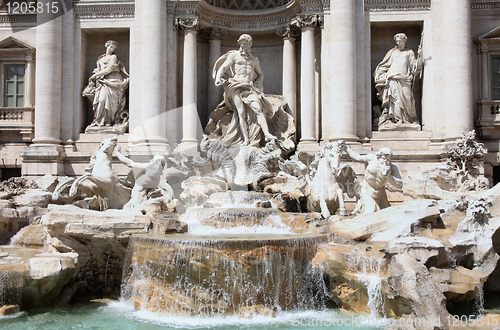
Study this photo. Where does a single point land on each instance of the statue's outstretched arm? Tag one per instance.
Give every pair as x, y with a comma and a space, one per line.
227, 63
357, 157
127, 161
395, 177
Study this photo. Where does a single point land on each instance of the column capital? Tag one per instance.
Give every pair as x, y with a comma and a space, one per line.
214, 33
307, 20
186, 23
291, 30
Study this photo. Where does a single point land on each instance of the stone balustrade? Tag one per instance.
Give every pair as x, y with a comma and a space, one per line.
18, 119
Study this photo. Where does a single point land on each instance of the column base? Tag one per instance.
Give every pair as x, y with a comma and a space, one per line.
143, 152
348, 139
42, 159
310, 146
190, 147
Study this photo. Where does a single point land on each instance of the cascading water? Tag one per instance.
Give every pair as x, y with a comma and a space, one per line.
479, 301
12, 275
193, 275
368, 270
218, 269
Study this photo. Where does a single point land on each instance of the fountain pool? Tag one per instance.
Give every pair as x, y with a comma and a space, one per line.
123, 316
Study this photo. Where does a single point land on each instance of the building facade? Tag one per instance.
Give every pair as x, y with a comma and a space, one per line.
320, 55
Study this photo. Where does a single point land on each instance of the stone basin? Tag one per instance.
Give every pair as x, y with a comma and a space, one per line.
238, 198
225, 274
232, 217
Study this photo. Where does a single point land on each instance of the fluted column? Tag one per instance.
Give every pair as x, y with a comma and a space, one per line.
339, 72
154, 71
289, 34
307, 82
214, 37
190, 120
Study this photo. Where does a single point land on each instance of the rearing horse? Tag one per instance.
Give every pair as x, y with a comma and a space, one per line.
100, 181
326, 188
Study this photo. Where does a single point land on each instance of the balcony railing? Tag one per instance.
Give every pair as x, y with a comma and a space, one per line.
18, 119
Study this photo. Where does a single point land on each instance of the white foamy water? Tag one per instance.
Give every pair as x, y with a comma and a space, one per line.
275, 225
367, 270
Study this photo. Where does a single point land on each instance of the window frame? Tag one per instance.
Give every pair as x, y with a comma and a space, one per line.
3, 87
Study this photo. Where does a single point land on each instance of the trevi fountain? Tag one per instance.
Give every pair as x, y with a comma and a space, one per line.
251, 224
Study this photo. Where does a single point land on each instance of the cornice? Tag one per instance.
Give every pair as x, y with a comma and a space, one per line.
18, 18
103, 10
245, 20
397, 5
481, 4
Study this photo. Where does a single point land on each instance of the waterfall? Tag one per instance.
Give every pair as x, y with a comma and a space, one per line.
367, 270
11, 288
479, 301
210, 276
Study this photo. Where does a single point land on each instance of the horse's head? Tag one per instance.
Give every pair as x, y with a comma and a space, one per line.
108, 145
333, 148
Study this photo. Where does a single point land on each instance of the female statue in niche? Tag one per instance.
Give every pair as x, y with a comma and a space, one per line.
394, 79
106, 90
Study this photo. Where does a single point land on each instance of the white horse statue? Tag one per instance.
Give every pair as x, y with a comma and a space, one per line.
328, 181
100, 180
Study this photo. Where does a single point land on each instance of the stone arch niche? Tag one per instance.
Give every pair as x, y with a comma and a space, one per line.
92, 47
382, 40
226, 20
248, 16
270, 23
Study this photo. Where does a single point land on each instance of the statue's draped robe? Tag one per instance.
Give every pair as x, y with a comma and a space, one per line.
394, 82
223, 122
109, 98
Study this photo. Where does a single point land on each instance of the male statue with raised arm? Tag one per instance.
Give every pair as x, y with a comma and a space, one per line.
379, 171
243, 93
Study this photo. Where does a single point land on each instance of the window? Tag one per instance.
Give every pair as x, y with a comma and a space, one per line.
14, 85
495, 77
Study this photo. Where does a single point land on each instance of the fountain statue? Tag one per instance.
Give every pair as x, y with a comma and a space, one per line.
107, 91
99, 181
394, 79
247, 116
330, 180
379, 171
147, 177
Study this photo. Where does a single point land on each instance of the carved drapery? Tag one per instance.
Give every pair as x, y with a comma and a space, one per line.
186, 23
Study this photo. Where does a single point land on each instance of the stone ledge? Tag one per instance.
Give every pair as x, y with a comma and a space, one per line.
73, 221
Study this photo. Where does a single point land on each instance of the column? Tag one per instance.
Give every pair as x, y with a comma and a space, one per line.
68, 72
308, 138
174, 113
30, 79
456, 61
190, 120
154, 72
46, 154
339, 72
214, 37
289, 34
48, 80
362, 92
